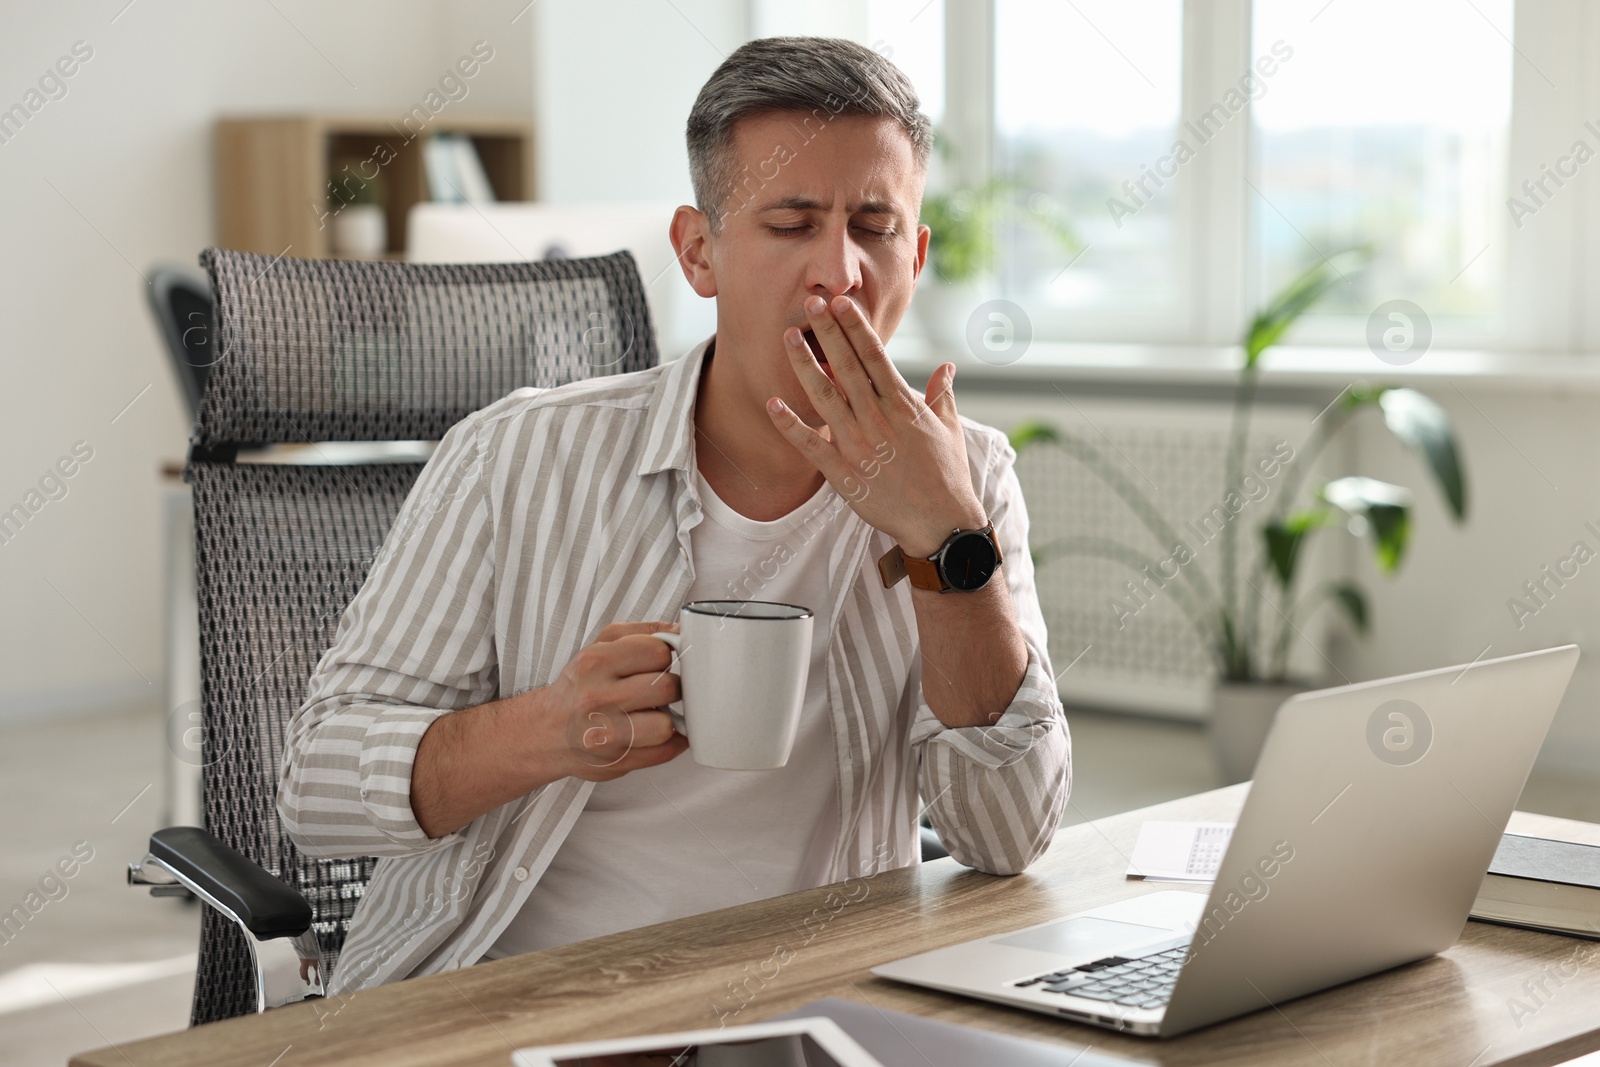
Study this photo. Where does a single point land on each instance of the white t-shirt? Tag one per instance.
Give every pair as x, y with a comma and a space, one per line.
681, 839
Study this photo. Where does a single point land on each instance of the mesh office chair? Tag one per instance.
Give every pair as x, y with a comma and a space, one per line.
332, 351
181, 304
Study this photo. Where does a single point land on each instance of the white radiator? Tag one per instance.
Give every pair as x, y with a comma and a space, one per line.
1119, 637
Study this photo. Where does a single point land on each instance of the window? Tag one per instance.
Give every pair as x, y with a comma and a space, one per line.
1396, 139
1087, 98
1393, 125
911, 33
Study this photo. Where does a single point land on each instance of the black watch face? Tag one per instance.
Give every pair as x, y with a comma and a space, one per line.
969, 562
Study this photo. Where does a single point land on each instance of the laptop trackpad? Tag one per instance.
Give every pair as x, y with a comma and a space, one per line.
1084, 936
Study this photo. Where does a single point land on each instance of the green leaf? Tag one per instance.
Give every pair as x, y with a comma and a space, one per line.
1235, 656
1284, 538
1360, 395
1031, 433
1385, 513
1303, 522
1354, 603
1283, 548
1423, 426
965, 222
1391, 531
1289, 303
963, 243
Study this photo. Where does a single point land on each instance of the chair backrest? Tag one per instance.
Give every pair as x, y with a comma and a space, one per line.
181, 304
321, 351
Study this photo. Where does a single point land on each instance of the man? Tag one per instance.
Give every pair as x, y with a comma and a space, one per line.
489, 719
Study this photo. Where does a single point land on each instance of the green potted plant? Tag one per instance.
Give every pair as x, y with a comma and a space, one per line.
1245, 622
963, 249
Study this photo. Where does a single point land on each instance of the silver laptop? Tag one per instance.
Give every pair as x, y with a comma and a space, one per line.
1373, 816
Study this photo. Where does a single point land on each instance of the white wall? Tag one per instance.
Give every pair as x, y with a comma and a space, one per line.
615, 82
98, 185
1531, 458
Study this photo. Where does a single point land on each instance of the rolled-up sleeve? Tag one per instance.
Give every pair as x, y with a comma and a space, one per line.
417, 642
996, 793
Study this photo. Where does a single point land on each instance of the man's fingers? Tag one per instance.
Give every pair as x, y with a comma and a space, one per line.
618, 685
825, 396
813, 444
648, 689
601, 737
622, 658
614, 630
649, 756
652, 728
618, 741
869, 348
941, 396
842, 355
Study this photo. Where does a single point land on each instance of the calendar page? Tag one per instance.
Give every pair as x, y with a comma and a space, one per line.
1179, 851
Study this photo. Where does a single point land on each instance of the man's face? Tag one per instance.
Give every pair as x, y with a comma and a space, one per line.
818, 208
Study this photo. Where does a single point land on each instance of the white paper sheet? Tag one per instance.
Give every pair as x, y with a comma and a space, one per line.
1179, 851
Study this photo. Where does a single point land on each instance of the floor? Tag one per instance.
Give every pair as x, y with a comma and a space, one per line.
86, 787
102, 963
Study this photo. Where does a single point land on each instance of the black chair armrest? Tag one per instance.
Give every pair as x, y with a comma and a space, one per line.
267, 907
932, 847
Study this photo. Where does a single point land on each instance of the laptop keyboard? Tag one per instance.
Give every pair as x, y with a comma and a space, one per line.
1143, 982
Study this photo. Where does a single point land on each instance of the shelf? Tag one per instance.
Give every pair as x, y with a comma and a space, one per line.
274, 173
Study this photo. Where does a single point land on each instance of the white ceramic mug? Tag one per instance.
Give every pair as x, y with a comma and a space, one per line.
742, 667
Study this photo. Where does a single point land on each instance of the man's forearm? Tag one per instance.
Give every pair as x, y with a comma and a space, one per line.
472, 761
599, 719
973, 653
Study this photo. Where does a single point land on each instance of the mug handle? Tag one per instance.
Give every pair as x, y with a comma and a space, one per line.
674, 642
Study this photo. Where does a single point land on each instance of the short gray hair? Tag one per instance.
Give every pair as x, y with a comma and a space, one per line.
825, 76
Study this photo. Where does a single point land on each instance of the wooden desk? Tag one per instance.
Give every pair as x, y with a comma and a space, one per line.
1452, 1009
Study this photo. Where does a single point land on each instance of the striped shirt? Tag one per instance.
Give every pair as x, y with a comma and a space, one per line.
539, 520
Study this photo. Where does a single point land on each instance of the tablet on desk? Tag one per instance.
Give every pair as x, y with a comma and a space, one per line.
812, 1042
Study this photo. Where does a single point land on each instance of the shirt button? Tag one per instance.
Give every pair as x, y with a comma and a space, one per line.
520, 874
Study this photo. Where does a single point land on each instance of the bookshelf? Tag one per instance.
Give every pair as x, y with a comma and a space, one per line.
273, 173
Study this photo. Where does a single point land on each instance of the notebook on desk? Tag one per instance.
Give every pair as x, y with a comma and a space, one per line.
1375, 811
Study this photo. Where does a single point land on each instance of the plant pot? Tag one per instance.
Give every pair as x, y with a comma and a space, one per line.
360, 232
944, 309
1241, 714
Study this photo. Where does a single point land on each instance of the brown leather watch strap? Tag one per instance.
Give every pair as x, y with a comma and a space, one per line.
894, 565
924, 574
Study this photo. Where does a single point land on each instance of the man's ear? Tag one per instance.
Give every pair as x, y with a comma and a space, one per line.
923, 234
691, 240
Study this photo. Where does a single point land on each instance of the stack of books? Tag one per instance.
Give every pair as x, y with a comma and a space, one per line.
1541, 884
455, 173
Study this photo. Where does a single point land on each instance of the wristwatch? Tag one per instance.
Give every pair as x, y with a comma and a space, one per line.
964, 564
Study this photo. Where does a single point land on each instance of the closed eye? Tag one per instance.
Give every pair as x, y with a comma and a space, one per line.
793, 231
